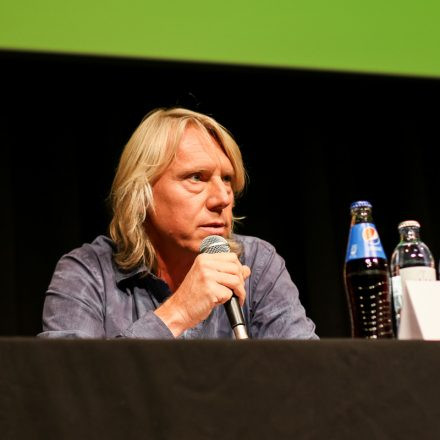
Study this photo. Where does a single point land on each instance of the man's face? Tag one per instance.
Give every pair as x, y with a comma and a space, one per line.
193, 198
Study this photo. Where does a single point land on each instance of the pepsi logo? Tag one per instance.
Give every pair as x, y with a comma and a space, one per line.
370, 234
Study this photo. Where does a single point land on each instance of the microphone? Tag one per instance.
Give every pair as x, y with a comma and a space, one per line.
214, 244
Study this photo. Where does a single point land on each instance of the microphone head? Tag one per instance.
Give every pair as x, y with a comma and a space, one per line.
214, 244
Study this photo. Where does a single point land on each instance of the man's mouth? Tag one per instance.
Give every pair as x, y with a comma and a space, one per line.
213, 225
214, 228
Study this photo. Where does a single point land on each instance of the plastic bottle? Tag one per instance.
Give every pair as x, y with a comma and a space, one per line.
367, 278
411, 260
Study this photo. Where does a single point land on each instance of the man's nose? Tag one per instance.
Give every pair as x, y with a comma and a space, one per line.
220, 194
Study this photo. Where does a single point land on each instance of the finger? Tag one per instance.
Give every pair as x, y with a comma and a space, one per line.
232, 266
246, 271
234, 283
222, 256
222, 294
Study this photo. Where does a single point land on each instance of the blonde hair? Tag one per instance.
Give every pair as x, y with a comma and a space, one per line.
149, 151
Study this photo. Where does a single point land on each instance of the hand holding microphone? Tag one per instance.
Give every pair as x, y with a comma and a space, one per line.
215, 244
216, 277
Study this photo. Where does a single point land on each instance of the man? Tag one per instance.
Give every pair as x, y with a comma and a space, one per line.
175, 185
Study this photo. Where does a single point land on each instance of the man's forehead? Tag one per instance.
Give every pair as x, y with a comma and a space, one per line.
197, 137
198, 146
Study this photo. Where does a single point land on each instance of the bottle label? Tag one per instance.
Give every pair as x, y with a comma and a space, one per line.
364, 242
417, 273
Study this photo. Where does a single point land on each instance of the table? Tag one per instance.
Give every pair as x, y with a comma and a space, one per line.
138, 389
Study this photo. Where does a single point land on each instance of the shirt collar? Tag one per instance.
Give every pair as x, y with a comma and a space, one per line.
126, 275
142, 275
121, 276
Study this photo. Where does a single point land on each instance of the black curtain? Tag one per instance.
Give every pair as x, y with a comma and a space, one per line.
313, 142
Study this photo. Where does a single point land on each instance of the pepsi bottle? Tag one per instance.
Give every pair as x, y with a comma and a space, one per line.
367, 278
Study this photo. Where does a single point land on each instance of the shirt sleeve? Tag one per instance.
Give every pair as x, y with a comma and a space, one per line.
275, 310
75, 304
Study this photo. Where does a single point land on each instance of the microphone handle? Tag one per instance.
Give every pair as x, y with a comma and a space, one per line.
236, 318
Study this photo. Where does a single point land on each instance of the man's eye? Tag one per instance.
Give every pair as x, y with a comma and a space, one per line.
227, 178
196, 177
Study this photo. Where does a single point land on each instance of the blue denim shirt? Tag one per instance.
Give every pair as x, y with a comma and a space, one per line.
90, 297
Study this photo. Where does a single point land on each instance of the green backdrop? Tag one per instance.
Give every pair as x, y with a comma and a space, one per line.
390, 36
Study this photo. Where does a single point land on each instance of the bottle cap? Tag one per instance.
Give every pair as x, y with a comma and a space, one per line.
408, 224
360, 204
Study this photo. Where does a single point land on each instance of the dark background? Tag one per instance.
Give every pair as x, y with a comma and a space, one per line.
313, 142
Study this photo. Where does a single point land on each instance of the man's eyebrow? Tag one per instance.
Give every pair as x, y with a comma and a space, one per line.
204, 167
193, 168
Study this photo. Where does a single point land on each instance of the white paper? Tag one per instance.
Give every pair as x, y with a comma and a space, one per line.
420, 317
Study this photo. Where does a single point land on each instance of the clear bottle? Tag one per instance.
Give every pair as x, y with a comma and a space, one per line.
411, 260
367, 277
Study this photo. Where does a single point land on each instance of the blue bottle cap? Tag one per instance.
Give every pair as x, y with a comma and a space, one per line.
360, 204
